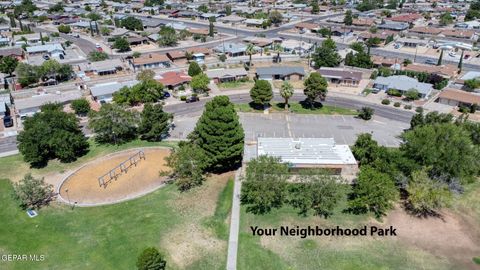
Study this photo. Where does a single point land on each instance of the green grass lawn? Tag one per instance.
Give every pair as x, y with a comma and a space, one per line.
110, 237
191, 228
281, 252
296, 107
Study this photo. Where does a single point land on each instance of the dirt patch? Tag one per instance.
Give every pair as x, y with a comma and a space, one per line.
450, 236
83, 186
189, 242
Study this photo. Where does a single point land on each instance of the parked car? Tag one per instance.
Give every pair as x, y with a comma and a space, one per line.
192, 99
396, 46
46, 57
430, 62
8, 121
166, 94
452, 54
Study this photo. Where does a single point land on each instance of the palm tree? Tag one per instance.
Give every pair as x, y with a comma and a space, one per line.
278, 49
250, 50
286, 91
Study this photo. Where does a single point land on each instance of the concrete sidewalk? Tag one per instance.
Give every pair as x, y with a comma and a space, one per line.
234, 223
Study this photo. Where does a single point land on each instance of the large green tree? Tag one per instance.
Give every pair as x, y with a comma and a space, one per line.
219, 133
188, 163
132, 23
445, 148
51, 134
316, 191
95, 56
113, 124
315, 87
373, 192
326, 55
348, 19
81, 106
261, 92
8, 64
155, 123
200, 83
426, 196
265, 184
194, 69
121, 44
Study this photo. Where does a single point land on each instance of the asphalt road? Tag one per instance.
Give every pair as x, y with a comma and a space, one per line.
84, 45
380, 110
193, 109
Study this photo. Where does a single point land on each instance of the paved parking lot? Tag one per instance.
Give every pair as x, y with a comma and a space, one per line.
344, 129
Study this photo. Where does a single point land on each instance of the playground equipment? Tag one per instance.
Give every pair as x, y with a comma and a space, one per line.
123, 167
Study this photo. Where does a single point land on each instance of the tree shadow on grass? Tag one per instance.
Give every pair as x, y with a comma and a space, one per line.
311, 105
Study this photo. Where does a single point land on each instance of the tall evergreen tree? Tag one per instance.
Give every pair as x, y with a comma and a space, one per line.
155, 123
261, 92
219, 133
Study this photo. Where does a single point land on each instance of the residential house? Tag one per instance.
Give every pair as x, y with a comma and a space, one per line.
424, 30
227, 75
286, 73
412, 42
402, 84
407, 18
174, 79
149, 61
445, 71
103, 93
293, 45
393, 26
310, 27
340, 76
29, 106
454, 97
52, 50
233, 19
16, 52
458, 33
135, 41
231, 49
254, 22
176, 55
366, 22
29, 39
101, 68
198, 57
382, 35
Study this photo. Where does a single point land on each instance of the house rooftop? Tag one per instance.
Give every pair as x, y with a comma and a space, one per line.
110, 88
39, 100
460, 96
280, 70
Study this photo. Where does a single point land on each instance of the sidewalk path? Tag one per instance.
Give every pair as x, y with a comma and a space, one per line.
234, 223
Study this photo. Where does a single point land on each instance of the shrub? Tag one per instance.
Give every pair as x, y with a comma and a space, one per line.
81, 106
476, 260
419, 110
464, 109
386, 102
397, 104
33, 192
183, 98
394, 92
365, 113
151, 259
407, 107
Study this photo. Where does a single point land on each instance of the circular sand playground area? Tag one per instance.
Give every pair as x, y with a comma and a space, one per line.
126, 175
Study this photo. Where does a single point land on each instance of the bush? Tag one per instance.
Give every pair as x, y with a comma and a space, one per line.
151, 259
464, 109
365, 113
386, 102
81, 106
183, 98
397, 104
33, 192
476, 260
394, 92
407, 107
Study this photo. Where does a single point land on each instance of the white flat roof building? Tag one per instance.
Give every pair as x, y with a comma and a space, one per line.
306, 151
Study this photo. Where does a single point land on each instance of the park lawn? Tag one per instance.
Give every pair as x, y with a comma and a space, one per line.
296, 107
111, 237
283, 252
14, 168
